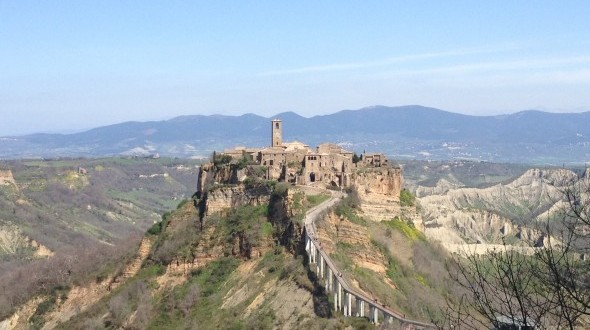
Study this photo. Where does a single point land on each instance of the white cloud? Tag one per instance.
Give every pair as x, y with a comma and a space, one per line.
395, 59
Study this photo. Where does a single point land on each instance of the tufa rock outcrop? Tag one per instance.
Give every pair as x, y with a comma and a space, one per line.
379, 190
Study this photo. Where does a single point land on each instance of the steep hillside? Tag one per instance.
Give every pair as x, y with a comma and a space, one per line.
389, 260
234, 257
243, 269
59, 218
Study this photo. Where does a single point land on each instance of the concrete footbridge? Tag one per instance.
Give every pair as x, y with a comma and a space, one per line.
348, 300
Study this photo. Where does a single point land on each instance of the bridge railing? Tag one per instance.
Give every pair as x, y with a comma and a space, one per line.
335, 282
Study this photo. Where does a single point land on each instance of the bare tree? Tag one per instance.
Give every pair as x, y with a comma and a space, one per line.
544, 286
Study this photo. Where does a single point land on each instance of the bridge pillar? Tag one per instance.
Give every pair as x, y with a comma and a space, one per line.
361, 308
334, 281
388, 318
375, 315
329, 280
322, 266
349, 303
315, 255
339, 290
308, 248
317, 264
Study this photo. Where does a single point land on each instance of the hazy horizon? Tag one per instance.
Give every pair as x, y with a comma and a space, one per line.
83, 129
73, 66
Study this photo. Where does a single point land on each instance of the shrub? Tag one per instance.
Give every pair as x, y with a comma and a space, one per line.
220, 160
157, 228
406, 198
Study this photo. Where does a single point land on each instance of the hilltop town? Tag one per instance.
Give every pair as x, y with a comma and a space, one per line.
295, 162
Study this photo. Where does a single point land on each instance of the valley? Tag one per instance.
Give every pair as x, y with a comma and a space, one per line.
65, 222
246, 256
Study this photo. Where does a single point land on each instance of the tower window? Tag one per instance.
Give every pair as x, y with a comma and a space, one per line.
276, 125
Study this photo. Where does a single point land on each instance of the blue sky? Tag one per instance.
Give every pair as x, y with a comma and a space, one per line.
69, 65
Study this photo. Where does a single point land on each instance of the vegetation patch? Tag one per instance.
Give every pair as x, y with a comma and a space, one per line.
347, 208
406, 198
38, 318
157, 228
405, 227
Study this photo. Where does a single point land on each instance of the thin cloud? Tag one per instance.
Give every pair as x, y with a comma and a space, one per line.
517, 65
393, 60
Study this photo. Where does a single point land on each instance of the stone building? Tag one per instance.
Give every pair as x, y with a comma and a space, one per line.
373, 160
297, 163
330, 164
277, 133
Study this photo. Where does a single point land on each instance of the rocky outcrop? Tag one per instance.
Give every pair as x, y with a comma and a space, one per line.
379, 190
333, 229
380, 182
12, 241
6, 178
442, 187
553, 177
223, 198
209, 175
504, 210
219, 189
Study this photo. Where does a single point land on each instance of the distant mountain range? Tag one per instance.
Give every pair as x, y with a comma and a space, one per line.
400, 132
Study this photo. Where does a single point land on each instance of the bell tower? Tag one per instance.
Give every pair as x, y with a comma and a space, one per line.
277, 133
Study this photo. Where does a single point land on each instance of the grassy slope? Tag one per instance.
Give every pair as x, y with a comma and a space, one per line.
230, 292
415, 281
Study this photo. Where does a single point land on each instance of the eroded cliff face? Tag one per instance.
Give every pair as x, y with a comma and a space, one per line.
13, 241
442, 187
459, 215
379, 190
378, 182
6, 177
334, 229
219, 200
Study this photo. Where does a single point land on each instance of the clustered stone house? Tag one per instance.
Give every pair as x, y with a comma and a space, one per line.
296, 162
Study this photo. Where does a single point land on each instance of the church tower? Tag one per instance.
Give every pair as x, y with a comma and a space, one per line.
277, 133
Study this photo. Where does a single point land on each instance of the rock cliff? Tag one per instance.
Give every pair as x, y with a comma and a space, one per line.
486, 215
378, 182
222, 199
379, 190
